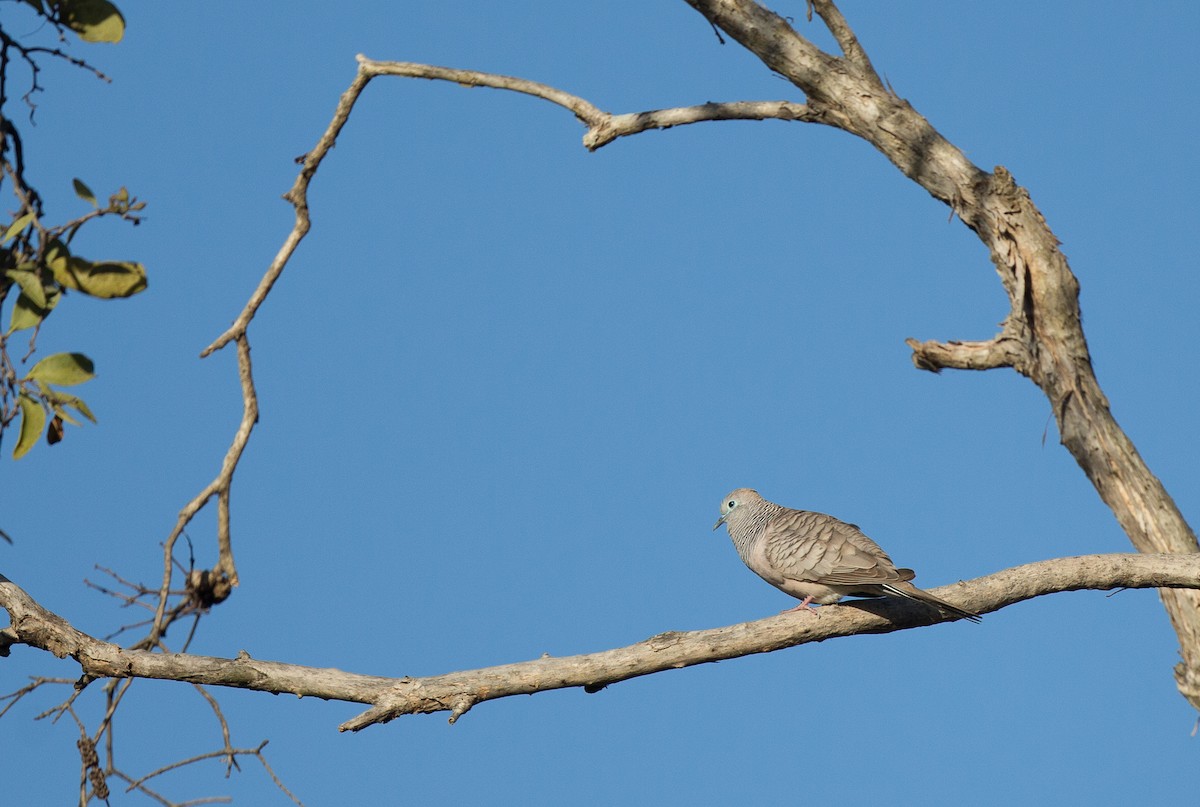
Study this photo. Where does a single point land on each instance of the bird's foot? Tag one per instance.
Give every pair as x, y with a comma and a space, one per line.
806, 603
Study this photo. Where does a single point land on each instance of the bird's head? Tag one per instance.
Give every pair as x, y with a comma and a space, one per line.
734, 500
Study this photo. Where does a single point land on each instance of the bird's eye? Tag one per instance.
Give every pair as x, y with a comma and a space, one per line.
732, 504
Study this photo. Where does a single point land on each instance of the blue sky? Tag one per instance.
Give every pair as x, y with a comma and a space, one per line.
505, 382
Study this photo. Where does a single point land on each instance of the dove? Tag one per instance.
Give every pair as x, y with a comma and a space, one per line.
815, 557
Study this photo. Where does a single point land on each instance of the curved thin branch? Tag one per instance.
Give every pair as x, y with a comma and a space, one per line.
588, 113
298, 196
225, 571
603, 128
459, 691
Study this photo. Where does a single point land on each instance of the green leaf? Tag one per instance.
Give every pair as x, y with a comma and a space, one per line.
110, 279
33, 418
106, 279
31, 285
93, 20
61, 399
84, 192
78, 405
16, 227
57, 251
63, 414
64, 369
27, 315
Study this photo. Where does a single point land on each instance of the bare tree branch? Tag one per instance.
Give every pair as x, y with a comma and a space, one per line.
220, 581
631, 123
230, 754
14, 697
1042, 337
458, 692
603, 128
1002, 351
847, 41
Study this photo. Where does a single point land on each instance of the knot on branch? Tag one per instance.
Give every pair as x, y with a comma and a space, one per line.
462, 705
8, 638
208, 588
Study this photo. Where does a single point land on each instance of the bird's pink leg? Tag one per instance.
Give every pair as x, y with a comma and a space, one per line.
805, 603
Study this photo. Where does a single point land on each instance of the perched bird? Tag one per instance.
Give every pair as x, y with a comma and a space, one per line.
815, 557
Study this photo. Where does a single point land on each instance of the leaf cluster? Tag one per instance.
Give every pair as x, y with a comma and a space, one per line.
38, 266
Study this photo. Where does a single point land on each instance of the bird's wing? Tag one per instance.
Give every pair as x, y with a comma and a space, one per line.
813, 547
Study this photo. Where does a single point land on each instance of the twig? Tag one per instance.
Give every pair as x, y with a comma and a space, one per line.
225, 569
231, 760
262, 758
223, 752
16, 696
164, 800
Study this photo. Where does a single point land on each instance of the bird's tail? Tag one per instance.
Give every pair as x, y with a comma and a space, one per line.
911, 592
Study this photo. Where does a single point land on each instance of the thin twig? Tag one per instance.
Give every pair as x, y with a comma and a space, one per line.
230, 761
164, 800
16, 696
262, 758
193, 760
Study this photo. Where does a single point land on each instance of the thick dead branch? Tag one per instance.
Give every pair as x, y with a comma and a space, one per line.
457, 692
1042, 336
1002, 351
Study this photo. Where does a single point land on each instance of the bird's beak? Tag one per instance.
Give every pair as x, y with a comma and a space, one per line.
720, 521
